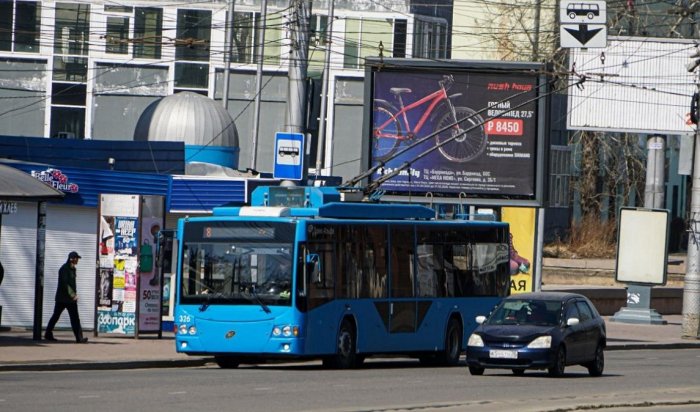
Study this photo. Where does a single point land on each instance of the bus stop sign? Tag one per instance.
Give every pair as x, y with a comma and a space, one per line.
289, 156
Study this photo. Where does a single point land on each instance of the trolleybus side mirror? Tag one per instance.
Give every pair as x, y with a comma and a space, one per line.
313, 263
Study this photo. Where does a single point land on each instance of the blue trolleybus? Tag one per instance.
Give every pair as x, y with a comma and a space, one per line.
332, 280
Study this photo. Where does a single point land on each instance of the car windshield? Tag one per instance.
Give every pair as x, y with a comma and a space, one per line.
526, 312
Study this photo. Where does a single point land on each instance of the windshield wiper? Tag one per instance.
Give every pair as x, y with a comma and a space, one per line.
206, 304
259, 300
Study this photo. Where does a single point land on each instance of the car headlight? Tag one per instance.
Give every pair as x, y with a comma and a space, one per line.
475, 340
543, 342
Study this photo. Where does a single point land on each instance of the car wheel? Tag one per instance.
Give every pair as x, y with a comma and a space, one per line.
476, 371
227, 362
595, 368
559, 363
518, 372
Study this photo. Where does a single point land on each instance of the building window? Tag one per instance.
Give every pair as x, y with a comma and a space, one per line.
191, 76
430, 38
148, 32
20, 26
193, 35
372, 37
117, 37
246, 38
67, 122
70, 69
72, 29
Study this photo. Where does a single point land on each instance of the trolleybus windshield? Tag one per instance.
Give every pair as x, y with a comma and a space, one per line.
237, 263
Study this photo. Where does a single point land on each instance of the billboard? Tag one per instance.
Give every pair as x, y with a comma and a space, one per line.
634, 85
456, 130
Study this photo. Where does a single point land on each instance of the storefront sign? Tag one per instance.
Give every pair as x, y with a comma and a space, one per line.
8, 208
56, 179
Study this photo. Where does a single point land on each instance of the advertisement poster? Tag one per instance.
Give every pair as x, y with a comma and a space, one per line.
125, 236
522, 221
485, 126
112, 321
149, 314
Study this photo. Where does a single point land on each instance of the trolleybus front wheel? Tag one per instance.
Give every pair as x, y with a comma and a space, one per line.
227, 362
345, 357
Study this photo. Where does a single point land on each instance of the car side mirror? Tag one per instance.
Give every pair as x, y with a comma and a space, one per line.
480, 319
572, 322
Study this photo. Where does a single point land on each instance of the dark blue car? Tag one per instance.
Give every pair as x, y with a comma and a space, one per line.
541, 330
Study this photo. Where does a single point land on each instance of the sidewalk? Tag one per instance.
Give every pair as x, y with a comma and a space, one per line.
19, 352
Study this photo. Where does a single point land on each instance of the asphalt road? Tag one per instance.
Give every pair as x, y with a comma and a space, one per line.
666, 379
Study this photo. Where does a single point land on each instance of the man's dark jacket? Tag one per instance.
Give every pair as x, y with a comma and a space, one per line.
65, 292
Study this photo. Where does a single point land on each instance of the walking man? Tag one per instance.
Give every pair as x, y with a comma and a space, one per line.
67, 298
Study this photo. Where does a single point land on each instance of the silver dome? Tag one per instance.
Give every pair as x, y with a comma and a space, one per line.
187, 117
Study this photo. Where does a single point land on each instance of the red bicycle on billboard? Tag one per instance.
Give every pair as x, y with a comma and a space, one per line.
392, 128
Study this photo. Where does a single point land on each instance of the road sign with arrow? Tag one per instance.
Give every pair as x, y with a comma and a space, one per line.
582, 24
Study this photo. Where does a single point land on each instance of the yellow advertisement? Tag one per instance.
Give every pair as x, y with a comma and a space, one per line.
522, 221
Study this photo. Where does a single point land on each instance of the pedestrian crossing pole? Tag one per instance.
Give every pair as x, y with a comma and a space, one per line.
691, 288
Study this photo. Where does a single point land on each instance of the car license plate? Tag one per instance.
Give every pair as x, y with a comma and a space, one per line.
503, 354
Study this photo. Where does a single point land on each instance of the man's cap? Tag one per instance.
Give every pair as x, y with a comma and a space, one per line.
74, 254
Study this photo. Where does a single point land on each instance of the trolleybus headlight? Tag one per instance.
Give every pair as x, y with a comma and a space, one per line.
192, 330
475, 340
276, 331
543, 342
183, 329
287, 330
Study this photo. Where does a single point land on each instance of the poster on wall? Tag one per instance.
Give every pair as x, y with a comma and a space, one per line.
117, 288
522, 221
458, 130
152, 219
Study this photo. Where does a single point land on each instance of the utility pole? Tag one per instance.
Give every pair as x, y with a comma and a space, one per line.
298, 62
258, 84
691, 283
324, 88
227, 52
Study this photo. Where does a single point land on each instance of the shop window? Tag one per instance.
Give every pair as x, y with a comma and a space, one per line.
72, 29
193, 35
20, 26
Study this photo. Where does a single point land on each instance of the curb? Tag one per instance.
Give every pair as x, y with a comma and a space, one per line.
78, 366
643, 346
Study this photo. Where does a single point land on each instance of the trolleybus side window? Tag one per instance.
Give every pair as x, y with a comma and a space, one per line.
402, 244
374, 264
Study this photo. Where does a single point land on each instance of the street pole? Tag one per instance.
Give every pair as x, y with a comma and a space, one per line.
691, 282
324, 87
654, 187
298, 61
227, 52
691, 287
258, 85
